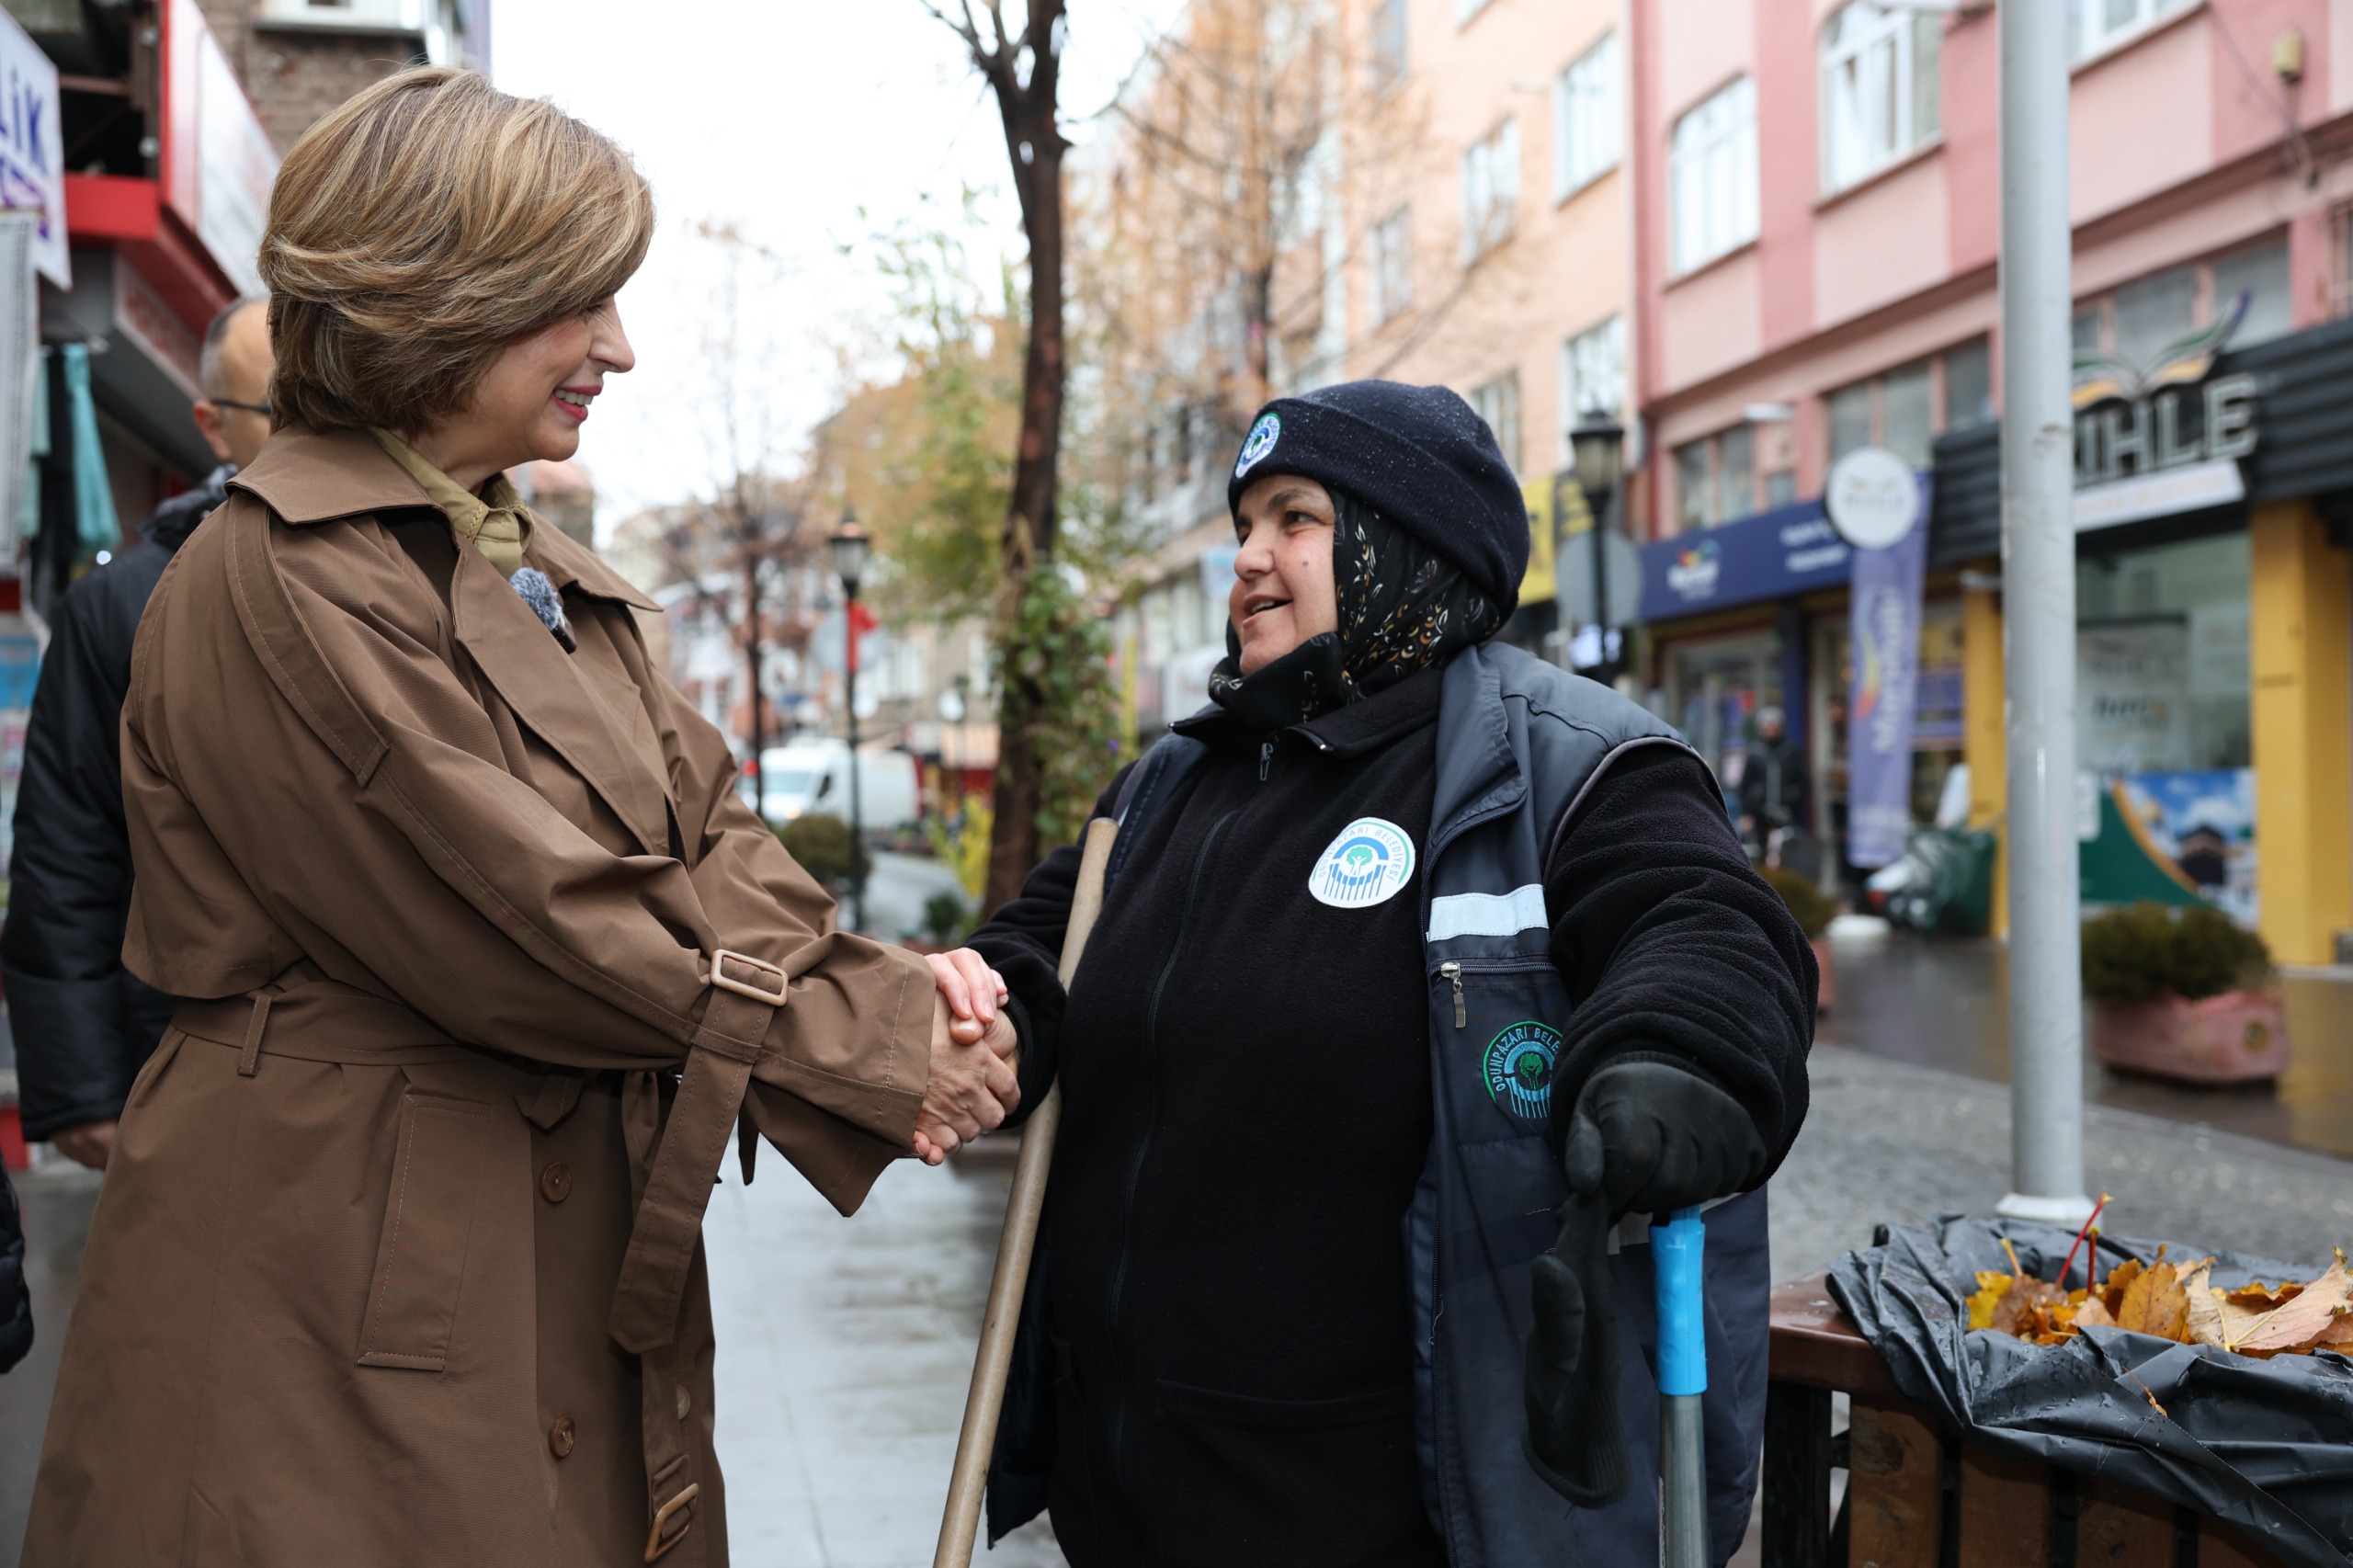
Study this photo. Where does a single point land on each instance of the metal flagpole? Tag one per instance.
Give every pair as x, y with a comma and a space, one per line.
2039, 625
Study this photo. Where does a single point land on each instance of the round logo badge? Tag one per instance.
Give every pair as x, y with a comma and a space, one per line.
1365, 865
1260, 442
1519, 1069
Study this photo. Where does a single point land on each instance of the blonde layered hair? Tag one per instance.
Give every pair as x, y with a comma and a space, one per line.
421, 228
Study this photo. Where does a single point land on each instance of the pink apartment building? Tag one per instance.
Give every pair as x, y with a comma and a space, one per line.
1815, 270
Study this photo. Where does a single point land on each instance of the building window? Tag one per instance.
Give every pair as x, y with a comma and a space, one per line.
1713, 170
1389, 43
2102, 23
1497, 403
1490, 189
2153, 315
1694, 497
1593, 376
2141, 323
1969, 385
1880, 88
2262, 276
1907, 418
1585, 119
1393, 265
1715, 478
1851, 418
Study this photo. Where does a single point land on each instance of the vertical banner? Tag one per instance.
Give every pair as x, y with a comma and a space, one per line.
1881, 507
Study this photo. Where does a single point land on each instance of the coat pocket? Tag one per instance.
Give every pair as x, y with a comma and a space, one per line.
1307, 1483
428, 1223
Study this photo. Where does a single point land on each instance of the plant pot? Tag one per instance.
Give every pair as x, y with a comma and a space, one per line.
2237, 1037
1826, 993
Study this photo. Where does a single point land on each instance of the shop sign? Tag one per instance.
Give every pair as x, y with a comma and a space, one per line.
32, 154
1880, 504
2174, 836
1792, 550
218, 161
2154, 441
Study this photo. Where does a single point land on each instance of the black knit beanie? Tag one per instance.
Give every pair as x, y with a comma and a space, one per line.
1419, 455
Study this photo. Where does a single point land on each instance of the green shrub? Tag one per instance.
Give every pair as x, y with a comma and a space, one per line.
1812, 908
820, 841
2145, 950
945, 917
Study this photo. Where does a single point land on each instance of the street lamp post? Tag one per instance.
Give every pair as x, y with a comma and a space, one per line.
849, 544
1597, 453
2039, 626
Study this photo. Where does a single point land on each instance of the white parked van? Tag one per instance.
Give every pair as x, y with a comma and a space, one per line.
812, 775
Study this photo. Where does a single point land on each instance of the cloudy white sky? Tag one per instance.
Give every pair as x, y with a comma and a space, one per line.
809, 124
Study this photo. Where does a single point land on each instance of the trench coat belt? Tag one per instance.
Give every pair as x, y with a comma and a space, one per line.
324, 1021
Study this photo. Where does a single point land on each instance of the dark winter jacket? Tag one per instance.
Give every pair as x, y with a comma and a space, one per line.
16, 1300
82, 1024
1773, 784
1248, 1078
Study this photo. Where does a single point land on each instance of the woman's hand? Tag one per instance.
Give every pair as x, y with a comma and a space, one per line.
972, 990
972, 1086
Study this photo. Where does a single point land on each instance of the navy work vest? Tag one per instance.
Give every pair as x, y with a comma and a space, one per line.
1519, 743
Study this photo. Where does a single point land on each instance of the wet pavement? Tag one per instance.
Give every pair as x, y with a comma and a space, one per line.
1945, 1003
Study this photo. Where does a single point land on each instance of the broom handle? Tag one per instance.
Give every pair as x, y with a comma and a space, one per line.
969, 1483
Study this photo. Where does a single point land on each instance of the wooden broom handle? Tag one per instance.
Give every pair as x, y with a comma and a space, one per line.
968, 1485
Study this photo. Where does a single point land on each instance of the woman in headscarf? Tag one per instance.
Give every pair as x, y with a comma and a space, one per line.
1413, 940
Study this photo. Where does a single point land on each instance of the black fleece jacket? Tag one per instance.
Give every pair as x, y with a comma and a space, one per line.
82, 1024
1245, 1075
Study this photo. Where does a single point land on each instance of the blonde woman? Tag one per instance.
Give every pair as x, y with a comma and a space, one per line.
398, 1258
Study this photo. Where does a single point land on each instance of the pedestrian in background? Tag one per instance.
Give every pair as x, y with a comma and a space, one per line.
1772, 793
15, 1296
398, 1258
1412, 940
82, 1024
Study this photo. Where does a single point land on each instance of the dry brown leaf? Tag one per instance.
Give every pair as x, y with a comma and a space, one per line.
2120, 1279
2262, 1298
2205, 1306
2022, 1308
2338, 1334
2295, 1324
2093, 1313
2155, 1304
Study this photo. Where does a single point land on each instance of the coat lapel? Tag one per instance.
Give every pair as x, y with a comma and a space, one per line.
552, 692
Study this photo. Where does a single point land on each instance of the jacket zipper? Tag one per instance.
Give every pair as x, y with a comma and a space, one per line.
1143, 1144
1454, 970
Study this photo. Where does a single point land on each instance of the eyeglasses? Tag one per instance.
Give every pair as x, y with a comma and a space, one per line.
260, 408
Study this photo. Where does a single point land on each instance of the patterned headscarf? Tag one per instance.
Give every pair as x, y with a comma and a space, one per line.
1401, 610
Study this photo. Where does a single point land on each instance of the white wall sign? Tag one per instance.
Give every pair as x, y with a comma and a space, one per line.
32, 147
1872, 496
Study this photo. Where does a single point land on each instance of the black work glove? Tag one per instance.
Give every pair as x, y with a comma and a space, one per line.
1649, 1134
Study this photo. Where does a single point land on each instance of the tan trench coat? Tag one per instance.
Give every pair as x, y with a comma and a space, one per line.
371, 1281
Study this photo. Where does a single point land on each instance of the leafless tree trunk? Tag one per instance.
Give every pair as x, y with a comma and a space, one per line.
1022, 67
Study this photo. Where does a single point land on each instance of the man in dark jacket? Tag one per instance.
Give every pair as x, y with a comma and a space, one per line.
83, 1025
16, 1298
1772, 781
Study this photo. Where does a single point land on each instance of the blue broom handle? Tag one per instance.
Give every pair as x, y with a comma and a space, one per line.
1675, 1248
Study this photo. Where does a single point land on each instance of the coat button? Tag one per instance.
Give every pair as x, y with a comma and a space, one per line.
685, 1401
555, 1182
560, 1436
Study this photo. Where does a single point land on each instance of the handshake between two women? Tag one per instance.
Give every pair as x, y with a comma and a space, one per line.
976, 1055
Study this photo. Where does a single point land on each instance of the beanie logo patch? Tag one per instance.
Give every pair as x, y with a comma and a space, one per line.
1366, 865
1261, 440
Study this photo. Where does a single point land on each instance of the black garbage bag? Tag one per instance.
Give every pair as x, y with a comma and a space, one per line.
2266, 1445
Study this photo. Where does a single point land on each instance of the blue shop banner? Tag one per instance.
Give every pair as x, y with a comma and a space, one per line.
1883, 630
1790, 549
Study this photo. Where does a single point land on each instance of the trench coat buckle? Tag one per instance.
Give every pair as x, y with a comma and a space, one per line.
656, 1542
720, 978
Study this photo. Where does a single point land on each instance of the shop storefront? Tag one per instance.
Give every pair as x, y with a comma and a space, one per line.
1752, 616
2214, 644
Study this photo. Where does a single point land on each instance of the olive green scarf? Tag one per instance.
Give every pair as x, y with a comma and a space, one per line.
494, 522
